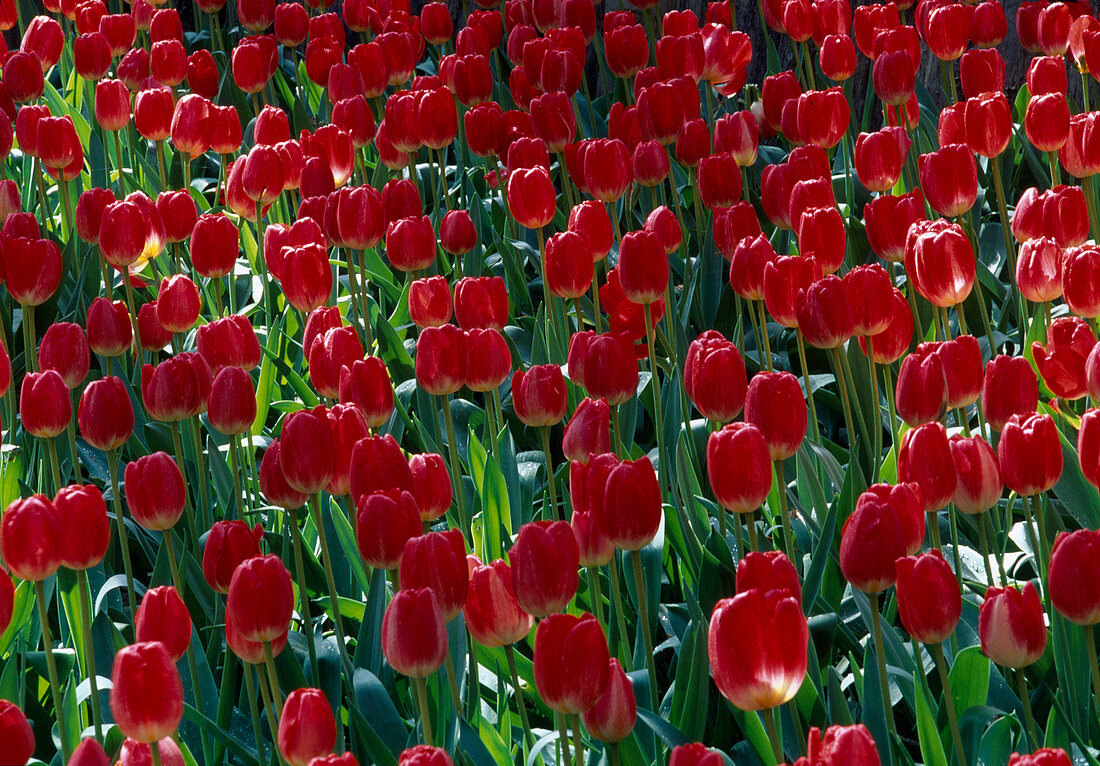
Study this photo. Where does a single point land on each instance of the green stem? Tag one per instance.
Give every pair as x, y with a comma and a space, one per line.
949, 702
55, 471
555, 512
123, 539
880, 656
200, 468
528, 736
788, 532
1025, 700
250, 690
456, 466
768, 716
617, 605
563, 739
72, 449
816, 430
647, 633
334, 595
425, 713
89, 652
51, 668
303, 598
452, 682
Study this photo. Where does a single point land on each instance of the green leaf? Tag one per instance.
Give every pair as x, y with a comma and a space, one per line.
931, 748
969, 678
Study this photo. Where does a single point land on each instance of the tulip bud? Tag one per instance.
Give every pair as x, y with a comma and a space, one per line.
44, 404
739, 467
437, 560
441, 360
757, 644
307, 727
768, 571
887, 524
228, 544
625, 500
588, 432
31, 538
261, 598
612, 717
1074, 563
16, 732
306, 456
163, 617
921, 394
414, 633
385, 522
1009, 388
979, 484
776, 406
545, 560
1011, 626
85, 529
539, 395
146, 692
571, 662
929, 601
940, 260
155, 491
492, 613
1030, 454
110, 332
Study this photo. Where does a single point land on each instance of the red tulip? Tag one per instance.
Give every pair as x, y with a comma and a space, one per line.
163, 617
1074, 563
1030, 454
146, 692
414, 634
739, 467
776, 406
1011, 626
571, 662
155, 491
979, 484
887, 524
307, 727
492, 613
31, 538
261, 599
929, 601
85, 528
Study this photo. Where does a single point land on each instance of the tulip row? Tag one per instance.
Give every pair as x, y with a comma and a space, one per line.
394, 409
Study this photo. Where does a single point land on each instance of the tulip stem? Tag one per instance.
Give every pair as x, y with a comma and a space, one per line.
844, 398
422, 702
1025, 700
759, 305
788, 531
617, 605
1090, 647
876, 425
456, 466
596, 296
200, 467
123, 539
452, 683
983, 541
578, 741
154, 752
809, 388
118, 159
161, 165
563, 739
326, 560
596, 596
768, 716
273, 678
72, 449
250, 690
619, 447
664, 476
880, 656
234, 468
55, 471
269, 708
544, 437
85, 597
177, 445
1036, 511
30, 344
139, 352
949, 702
51, 668
864, 431
647, 633
754, 545
303, 597
528, 736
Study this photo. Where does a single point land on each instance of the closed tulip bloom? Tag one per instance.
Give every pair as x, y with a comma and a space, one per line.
695, 754
887, 220
481, 302
457, 234
153, 110
492, 613
768, 571
879, 157
414, 633
17, 734
626, 503
179, 214
261, 599
719, 181
1080, 271
307, 449
437, 560
378, 463
949, 179
925, 459
231, 406
229, 342
251, 652
531, 197
1065, 216
988, 124
430, 485
545, 560
430, 302
776, 406
329, 355
739, 467
784, 278
410, 243
32, 269
606, 167
588, 431
441, 360
749, 260
1061, 362
887, 524
567, 264
273, 482
163, 617
612, 717
110, 332
366, 384
539, 395
155, 491
940, 260
105, 415
214, 245
571, 662
1072, 577
1011, 626
488, 360
982, 70
821, 236
1010, 387
929, 601
921, 393
178, 303
757, 645
228, 544
1039, 270
22, 76
714, 377
1046, 121
31, 538
979, 485
591, 220
825, 313
1030, 454
171, 390
85, 528
869, 289
604, 365
643, 267
146, 692
45, 408
307, 727
384, 523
